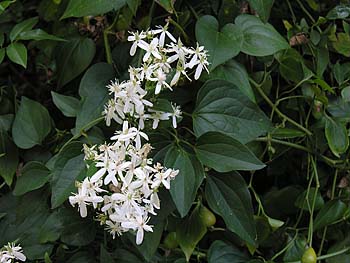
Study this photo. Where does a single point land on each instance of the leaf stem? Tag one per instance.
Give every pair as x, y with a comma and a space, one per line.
306, 12
290, 144
290, 243
273, 106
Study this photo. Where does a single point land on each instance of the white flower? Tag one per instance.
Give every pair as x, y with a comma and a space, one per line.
163, 31
161, 81
126, 134
151, 49
140, 223
81, 199
175, 114
162, 177
199, 58
157, 116
113, 228
135, 37
11, 252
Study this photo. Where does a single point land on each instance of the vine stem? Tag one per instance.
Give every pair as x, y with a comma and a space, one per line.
106, 32
300, 147
273, 106
107, 47
286, 247
290, 144
306, 12
332, 197
312, 210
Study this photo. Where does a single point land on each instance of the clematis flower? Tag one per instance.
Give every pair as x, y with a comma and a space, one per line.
139, 224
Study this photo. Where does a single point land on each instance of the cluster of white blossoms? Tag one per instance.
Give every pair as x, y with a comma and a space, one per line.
124, 187
10, 253
162, 66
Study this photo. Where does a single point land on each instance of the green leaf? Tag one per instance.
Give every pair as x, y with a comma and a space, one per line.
286, 133
73, 57
24, 26
17, 53
221, 45
5, 4
168, 5
79, 8
31, 125
82, 257
339, 12
234, 72
77, 231
6, 122
322, 57
341, 72
133, 5
125, 256
38, 34
259, 39
34, 175
330, 212
225, 154
151, 240
303, 200
342, 44
345, 93
185, 185
105, 257
67, 104
64, 181
340, 109
94, 93
191, 230
9, 161
221, 106
95, 79
2, 54
24, 219
296, 250
51, 230
228, 196
337, 136
262, 7
221, 252
291, 65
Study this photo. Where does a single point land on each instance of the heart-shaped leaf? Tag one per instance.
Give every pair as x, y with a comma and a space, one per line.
221, 106
224, 154
221, 45
228, 196
184, 187
259, 39
31, 125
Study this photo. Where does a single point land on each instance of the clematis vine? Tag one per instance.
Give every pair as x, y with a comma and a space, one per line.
124, 187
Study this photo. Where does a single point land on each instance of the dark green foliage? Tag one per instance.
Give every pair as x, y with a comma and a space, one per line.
275, 106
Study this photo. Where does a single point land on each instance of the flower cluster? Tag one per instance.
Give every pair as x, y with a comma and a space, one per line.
10, 253
162, 66
124, 186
